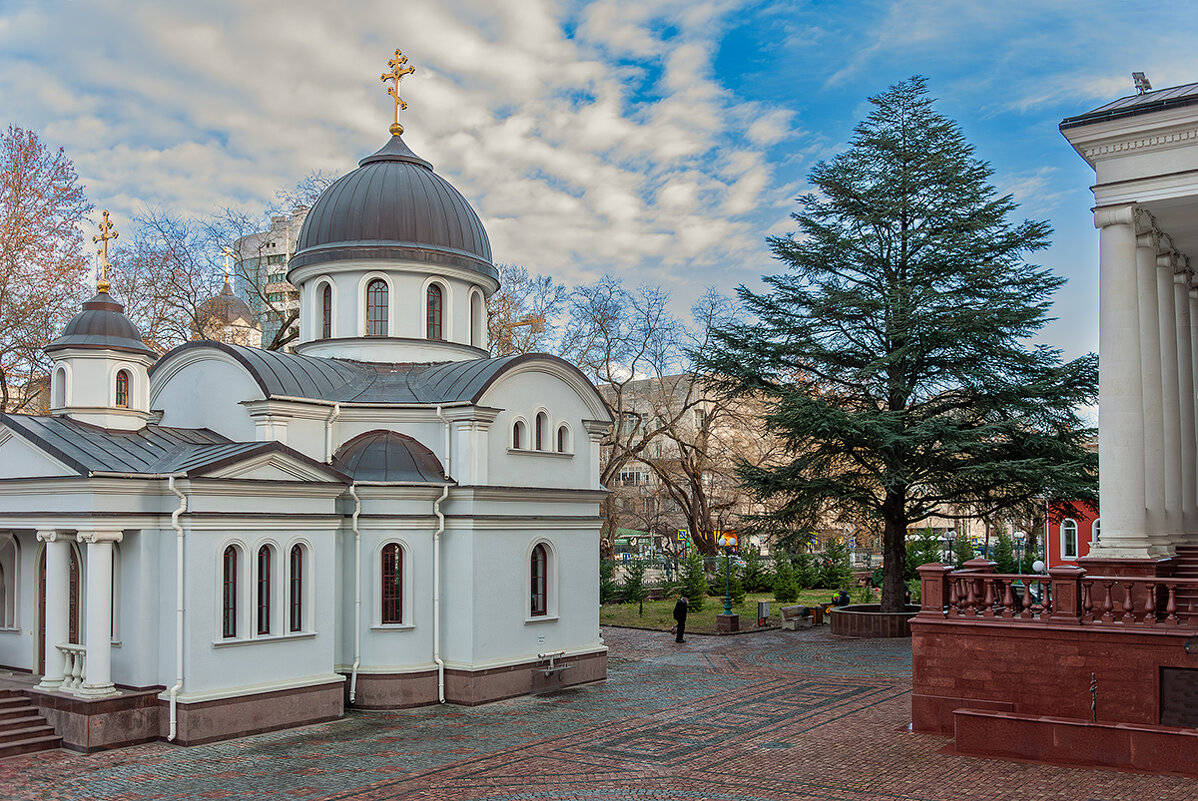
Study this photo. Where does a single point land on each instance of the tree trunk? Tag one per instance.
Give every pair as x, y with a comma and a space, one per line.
894, 553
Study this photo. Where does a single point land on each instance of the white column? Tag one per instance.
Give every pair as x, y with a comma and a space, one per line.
58, 604
1120, 389
1186, 400
1151, 386
1172, 525
98, 681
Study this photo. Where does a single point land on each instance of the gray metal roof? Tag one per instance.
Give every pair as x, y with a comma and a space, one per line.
152, 450
1137, 104
389, 456
394, 206
101, 324
280, 374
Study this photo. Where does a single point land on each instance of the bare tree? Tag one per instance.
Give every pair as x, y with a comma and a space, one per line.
521, 313
43, 260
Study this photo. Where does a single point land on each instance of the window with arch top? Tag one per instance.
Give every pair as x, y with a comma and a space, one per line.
1068, 539
542, 424
563, 439
326, 311
229, 593
296, 610
122, 389
518, 437
392, 584
376, 308
434, 304
540, 580
264, 589
477, 319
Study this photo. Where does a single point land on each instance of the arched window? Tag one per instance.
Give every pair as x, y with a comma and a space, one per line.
122, 389
60, 387
229, 594
1097, 533
540, 580
563, 439
326, 311
476, 319
518, 435
542, 423
392, 583
1068, 539
376, 308
297, 588
434, 312
264, 590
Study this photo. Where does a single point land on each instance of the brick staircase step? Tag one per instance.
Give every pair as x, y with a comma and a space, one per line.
17, 711
27, 733
17, 723
30, 745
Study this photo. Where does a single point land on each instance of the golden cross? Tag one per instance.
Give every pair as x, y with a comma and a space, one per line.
228, 254
106, 233
398, 70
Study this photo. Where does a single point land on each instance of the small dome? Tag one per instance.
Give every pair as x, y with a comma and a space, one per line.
228, 308
394, 206
388, 456
101, 324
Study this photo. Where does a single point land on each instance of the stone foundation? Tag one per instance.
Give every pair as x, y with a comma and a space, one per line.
393, 690
225, 718
472, 687
89, 725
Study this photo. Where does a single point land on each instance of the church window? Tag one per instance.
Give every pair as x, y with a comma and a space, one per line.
229, 594
476, 319
326, 312
297, 588
122, 389
264, 590
1095, 530
542, 424
60, 388
392, 586
1068, 539
434, 312
9, 560
563, 439
540, 576
518, 435
376, 308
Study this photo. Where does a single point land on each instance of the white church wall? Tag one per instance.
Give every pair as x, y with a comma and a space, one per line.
138, 604
205, 393
18, 459
17, 640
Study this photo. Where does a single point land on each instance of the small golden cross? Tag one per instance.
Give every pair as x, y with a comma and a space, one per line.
106, 232
398, 70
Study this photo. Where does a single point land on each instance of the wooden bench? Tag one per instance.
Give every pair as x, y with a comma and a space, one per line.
796, 617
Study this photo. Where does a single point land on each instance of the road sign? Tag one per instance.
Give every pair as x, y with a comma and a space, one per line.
627, 557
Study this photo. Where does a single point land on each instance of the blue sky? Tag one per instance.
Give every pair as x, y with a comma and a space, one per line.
660, 142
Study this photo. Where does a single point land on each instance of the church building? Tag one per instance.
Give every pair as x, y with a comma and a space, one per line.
224, 540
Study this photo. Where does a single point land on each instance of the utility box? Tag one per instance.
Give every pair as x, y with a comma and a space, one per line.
763, 612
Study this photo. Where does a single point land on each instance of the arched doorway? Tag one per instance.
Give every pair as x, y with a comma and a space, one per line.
73, 614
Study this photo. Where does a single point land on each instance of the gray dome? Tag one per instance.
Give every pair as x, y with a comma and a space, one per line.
388, 456
394, 206
101, 324
228, 308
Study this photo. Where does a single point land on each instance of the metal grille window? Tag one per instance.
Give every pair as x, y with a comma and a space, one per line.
264, 590
297, 588
122, 389
540, 575
434, 312
326, 312
392, 584
376, 308
229, 594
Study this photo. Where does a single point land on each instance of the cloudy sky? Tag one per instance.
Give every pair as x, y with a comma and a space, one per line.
658, 141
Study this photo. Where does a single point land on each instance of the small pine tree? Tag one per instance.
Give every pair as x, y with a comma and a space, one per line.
786, 586
754, 574
836, 571
1003, 554
635, 588
607, 581
694, 580
963, 549
922, 550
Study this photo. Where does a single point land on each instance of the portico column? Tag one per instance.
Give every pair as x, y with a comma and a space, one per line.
1186, 400
58, 605
98, 680
1172, 524
1120, 389
1153, 392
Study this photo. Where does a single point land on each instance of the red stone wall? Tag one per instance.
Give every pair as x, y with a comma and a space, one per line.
1035, 668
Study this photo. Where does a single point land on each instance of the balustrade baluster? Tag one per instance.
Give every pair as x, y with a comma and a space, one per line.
1150, 607
1108, 605
1028, 601
1008, 598
971, 598
988, 598
953, 599
1129, 610
1171, 605
1087, 601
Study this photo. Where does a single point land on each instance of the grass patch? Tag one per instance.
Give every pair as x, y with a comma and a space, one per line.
660, 614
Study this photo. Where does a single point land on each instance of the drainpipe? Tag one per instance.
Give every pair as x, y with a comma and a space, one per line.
174, 691
437, 566
353, 679
328, 432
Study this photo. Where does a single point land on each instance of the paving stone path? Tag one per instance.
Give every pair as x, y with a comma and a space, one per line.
757, 717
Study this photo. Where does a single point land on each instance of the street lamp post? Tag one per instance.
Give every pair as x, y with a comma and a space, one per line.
727, 542
1020, 536
948, 546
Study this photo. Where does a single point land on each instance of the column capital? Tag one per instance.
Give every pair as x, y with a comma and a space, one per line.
52, 535
101, 535
1114, 215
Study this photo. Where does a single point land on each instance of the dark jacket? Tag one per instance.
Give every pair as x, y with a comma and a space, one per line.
680, 611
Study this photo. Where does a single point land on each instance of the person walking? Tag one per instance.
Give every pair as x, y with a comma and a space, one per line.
680, 618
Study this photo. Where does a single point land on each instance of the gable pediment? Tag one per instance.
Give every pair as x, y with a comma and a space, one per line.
271, 466
21, 459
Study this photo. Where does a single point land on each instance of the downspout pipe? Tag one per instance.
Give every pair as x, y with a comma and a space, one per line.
353, 679
328, 432
174, 691
437, 564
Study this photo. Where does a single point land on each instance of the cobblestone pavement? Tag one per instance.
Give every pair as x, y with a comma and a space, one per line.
757, 717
